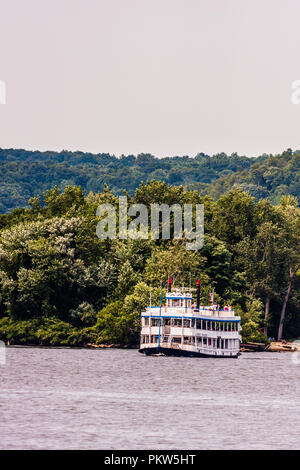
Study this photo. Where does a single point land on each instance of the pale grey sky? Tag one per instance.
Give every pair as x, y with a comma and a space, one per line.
169, 77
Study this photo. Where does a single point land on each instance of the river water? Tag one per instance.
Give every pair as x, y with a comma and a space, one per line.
120, 399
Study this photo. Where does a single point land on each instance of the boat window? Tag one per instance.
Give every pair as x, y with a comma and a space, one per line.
186, 323
177, 322
167, 321
154, 321
146, 321
188, 340
176, 339
154, 339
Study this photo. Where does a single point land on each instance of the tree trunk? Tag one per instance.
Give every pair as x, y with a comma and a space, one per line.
267, 308
286, 298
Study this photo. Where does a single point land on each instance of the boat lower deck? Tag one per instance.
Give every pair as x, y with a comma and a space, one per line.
183, 353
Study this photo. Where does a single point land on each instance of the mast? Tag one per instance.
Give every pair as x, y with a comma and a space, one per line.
212, 297
198, 294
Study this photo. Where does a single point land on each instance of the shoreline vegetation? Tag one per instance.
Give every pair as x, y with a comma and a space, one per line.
86, 346
62, 286
273, 346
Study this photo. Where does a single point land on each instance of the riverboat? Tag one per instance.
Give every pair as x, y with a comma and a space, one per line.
180, 328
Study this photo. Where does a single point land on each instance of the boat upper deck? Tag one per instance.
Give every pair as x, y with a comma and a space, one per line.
189, 312
180, 304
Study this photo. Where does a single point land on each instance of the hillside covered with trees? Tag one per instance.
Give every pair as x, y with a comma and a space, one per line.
24, 174
270, 178
61, 285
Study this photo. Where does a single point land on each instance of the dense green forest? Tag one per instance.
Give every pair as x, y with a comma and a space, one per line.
24, 174
270, 178
61, 285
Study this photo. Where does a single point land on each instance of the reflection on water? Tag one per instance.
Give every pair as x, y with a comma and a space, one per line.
120, 399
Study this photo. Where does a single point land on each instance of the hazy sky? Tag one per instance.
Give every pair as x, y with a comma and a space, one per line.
169, 77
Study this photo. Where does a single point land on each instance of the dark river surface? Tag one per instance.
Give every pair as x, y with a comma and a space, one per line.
120, 399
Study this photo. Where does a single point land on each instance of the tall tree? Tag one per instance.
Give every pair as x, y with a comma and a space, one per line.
261, 258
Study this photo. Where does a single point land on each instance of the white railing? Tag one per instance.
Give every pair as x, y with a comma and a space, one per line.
195, 348
189, 312
185, 331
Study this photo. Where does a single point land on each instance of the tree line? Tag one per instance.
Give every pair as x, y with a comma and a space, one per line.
24, 174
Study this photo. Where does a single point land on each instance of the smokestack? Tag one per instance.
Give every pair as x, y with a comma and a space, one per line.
198, 294
169, 285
